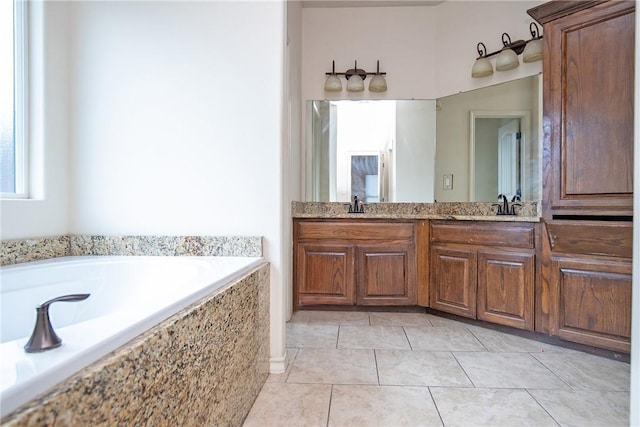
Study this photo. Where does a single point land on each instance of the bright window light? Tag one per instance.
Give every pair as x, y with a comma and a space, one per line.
13, 97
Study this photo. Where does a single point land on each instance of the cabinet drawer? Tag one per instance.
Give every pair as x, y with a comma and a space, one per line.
480, 233
591, 237
355, 231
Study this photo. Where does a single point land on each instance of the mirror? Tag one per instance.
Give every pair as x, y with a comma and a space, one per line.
377, 150
426, 150
468, 135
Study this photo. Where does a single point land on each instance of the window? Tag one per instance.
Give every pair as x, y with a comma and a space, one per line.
13, 99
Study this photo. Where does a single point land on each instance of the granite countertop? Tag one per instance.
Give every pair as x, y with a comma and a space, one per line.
462, 211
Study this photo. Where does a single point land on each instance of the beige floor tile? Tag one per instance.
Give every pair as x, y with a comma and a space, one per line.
507, 370
334, 366
588, 372
489, 407
302, 335
444, 322
382, 406
299, 317
442, 339
290, 405
373, 337
582, 408
399, 319
333, 317
420, 368
503, 342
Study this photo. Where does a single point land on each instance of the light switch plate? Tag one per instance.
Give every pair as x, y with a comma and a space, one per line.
447, 183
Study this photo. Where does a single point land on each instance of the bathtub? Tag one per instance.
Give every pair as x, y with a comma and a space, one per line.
129, 295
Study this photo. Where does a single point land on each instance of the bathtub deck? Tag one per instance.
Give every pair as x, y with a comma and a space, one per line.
202, 366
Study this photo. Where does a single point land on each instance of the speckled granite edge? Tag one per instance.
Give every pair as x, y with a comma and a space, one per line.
166, 245
17, 251
529, 211
203, 366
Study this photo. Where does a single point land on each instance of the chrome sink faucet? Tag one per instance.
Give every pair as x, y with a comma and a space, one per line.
43, 336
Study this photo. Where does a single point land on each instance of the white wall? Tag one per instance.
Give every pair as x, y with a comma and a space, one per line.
292, 150
402, 38
176, 123
461, 25
427, 51
47, 212
171, 124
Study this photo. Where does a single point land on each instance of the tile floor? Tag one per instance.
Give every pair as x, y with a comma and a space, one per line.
417, 369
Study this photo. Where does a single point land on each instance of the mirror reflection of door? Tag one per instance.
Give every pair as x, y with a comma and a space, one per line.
498, 155
364, 177
509, 159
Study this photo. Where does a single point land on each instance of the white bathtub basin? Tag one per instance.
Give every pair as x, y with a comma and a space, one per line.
129, 295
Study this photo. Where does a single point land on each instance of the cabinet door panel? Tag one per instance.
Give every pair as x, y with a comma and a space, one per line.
324, 274
386, 276
453, 280
505, 288
594, 302
588, 102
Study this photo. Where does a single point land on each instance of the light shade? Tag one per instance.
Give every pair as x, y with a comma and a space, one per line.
507, 60
332, 84
482, 68
355, 83
533, 51
378, 84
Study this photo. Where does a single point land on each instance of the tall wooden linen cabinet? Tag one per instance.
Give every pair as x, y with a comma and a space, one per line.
587, 208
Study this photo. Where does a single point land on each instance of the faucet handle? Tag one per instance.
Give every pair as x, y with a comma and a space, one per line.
513, 210
66, 298
43, 336
499, 211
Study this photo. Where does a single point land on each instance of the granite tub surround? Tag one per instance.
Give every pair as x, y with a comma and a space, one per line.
166, 245
203, 366
17, 251
476, 211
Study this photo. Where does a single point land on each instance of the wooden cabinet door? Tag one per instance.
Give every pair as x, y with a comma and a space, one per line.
593, 301
386, 275
506, 288
324, 274
588, 108
453, 280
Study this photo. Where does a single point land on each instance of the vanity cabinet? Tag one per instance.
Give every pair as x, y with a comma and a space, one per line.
354, 262
587, 206
484, 270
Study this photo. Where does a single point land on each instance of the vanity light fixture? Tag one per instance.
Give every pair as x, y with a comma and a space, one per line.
355, 79
333, 83
507, 57
378, 83
482, 67
533, 50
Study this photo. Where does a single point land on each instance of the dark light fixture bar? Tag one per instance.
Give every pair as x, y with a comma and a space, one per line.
355, 70
377, 83
508, 54
516, 46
